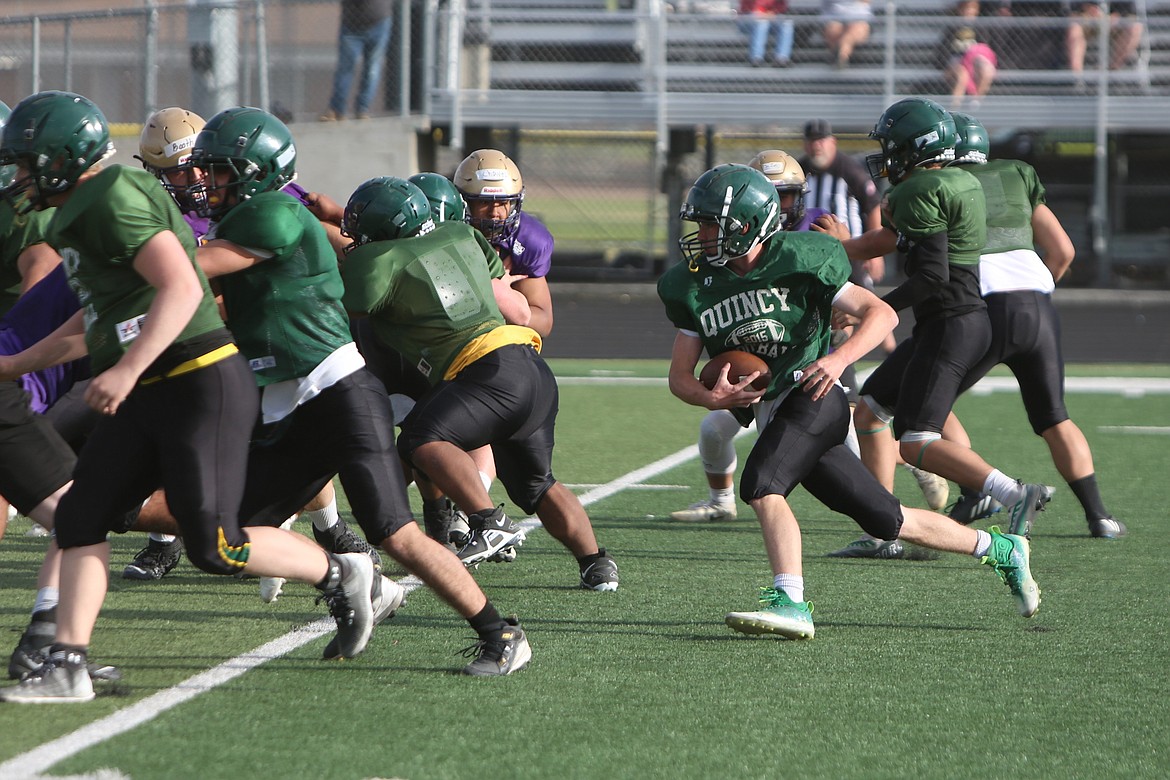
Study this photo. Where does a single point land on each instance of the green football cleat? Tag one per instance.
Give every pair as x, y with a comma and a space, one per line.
1009, 557
780, 615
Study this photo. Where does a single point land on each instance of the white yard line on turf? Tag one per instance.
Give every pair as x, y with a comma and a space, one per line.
39, 759
35, 761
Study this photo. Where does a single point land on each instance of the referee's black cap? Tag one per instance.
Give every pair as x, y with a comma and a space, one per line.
816, 129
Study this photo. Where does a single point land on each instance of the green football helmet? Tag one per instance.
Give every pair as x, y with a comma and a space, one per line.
447, 204
744, 205
385, 209
972, 144
252, 147
55, 137
912, 132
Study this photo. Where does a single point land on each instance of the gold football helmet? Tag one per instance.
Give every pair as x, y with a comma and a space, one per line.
490, 176
785, 172
164, 149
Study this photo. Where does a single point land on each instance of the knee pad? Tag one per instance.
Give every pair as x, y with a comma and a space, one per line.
883, 414
922, 436
221, 555
717, 442
882, 520
1050, 419
925, 438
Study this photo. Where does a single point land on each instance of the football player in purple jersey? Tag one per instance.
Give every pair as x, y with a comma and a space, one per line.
494, 190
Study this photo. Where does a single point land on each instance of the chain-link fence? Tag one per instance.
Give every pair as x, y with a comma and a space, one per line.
611, 107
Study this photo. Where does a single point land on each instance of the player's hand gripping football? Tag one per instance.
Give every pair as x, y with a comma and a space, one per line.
726, 395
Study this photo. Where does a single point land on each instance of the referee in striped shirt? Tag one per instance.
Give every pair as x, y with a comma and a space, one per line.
842, 186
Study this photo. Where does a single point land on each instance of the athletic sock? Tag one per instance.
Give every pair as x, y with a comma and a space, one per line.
161, 538
325, 518
982, 544
1003, 488
723, 495
1087, 492
487, 621
791, 584
47, 598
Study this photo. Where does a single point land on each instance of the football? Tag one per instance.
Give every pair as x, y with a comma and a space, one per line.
742, 364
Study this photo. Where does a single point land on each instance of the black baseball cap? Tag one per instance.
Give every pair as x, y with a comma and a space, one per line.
816, 129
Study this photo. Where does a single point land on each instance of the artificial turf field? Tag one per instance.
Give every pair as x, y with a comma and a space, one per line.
919, 668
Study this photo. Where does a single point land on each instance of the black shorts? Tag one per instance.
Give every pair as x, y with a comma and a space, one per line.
72, 417
1025, 336
34, 460
508, 399
189, 435
804, 443
387, 363
347, 430
920, 380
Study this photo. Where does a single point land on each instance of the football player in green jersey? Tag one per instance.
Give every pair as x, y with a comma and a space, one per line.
322, 411
747, 284
163, 367
1017, 284
428, 293
937, 217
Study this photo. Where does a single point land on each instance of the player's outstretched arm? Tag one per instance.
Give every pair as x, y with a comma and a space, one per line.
64, 344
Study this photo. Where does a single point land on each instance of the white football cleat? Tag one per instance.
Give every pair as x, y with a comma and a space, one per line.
935, 489
707, 511
271, 588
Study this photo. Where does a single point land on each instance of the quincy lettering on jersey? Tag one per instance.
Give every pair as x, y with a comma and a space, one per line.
780, 310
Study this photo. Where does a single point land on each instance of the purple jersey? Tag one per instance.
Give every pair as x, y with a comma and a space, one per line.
810, 216
529, 249
200, 225
45, 307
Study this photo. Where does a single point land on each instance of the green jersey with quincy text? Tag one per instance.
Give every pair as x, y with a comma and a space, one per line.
780, 310
98, 232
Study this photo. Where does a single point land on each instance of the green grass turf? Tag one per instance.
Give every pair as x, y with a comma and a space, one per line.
919, 668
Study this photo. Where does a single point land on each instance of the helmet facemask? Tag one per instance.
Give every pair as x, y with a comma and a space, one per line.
741, 204
732, 238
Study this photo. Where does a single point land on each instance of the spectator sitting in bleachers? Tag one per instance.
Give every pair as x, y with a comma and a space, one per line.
969, 63
756, 18
1036, 41
846, 27
1084, 23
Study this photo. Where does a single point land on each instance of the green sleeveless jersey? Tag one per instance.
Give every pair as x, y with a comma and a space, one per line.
98, 232
780, 310
426, 296
285, 311
17, 233
933, 200
1013, 191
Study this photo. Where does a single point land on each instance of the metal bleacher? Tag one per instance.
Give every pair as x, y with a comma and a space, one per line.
646, 63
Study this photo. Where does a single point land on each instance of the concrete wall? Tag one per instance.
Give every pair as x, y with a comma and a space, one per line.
335, 157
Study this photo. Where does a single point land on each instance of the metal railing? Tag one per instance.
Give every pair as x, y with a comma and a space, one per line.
610, 105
